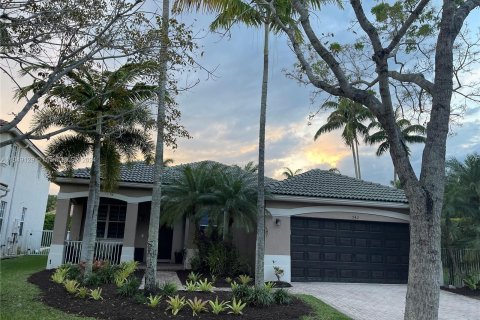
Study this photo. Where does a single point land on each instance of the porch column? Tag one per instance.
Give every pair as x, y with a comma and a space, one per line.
128, 248
55, 256
76, 225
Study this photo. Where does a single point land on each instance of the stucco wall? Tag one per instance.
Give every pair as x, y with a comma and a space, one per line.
28, 185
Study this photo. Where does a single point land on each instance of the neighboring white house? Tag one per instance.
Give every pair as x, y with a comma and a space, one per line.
23, 195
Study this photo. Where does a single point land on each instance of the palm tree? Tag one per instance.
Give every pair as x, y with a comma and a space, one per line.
289, 173
411, 133
103, 111
350, 116
168, 162
189, 195
235, 194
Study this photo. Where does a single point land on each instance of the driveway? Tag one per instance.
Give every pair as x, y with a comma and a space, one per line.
383, 301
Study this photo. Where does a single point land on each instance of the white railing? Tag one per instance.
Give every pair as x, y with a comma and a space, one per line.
104, 250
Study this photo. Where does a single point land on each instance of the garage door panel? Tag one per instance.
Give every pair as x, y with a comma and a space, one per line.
349, 251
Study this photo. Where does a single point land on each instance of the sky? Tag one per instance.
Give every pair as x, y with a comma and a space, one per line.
222, 113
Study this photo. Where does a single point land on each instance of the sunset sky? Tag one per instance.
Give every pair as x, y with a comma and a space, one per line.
222, 113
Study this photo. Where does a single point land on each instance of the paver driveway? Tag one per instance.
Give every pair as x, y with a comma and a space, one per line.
383, 301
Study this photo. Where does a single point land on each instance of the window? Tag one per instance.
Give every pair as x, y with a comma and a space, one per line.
111, 221
13, 155
22, 221
3, 206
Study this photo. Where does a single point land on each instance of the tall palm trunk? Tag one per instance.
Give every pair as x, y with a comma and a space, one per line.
354, 160
260, 242
358, 160
90, 231
154, 225
226, 224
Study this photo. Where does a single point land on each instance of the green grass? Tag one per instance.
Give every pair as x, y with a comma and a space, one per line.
321, 310
18, 298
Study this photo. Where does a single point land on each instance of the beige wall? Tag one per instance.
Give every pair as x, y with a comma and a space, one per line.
277, 240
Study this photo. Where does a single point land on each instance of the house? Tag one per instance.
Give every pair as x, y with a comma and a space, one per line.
322, 226
23, 195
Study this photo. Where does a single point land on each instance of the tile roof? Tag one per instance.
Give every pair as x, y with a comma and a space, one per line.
140, 172
313, 183
326, 184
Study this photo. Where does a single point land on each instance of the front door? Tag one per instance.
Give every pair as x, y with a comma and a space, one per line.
165, 243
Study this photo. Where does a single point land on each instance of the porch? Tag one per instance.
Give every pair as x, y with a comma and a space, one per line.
122, 232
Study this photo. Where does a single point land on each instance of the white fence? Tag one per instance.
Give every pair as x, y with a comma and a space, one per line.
38, 242
104, 250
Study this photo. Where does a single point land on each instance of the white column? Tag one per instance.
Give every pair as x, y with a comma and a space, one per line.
128, 248
55, 256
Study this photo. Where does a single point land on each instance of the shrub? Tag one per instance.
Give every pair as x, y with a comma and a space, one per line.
129, 267
107, 273
263, 297
279, 272
168, 289
129, 288
236, 307
74, 272
282, 296
175, 304
140, 298
205, 286
153, 301
244, 293
96, 294
218, 307
197, 305
71, 286
93, 280
82, 292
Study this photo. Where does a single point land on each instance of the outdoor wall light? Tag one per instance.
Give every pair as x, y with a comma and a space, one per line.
278, 222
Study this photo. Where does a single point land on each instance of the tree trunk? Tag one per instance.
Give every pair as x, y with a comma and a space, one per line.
358, 160
355, 161
90, 229
226, 224
260, 242
154, 225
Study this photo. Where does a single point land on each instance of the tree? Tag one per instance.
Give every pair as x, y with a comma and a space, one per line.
43, 41
49, 221
109, 122
411, 133
254, 15
406, 50
235, 198
167, 162
289, 173
350, 116
51, 203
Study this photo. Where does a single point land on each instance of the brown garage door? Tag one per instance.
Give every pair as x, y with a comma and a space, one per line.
349, 251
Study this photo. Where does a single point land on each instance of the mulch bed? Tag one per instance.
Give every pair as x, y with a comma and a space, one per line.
475, 294
221, 283
116, 307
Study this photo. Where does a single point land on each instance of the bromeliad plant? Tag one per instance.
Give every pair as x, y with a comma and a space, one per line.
71, 286
175, 304
205, 286
82, 292
96, 294
153, 301
194, 277
168, 289
236, 307
218, 307
191, 286
197, 305
60, 275
244, 279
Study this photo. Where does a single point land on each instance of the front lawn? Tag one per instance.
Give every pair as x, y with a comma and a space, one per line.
20, 299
